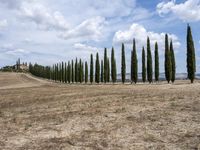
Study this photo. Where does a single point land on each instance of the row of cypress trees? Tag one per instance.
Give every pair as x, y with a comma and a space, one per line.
70, 72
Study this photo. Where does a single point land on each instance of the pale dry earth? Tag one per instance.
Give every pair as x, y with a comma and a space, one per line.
39, 115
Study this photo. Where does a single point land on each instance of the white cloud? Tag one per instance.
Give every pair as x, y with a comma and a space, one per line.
84, 47
43, 17
138, 32
90, 29
17, 52
34, 11
10, 49
3, 23
46, 19
187, 11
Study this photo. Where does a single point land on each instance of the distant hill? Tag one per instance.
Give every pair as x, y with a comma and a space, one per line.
179, 76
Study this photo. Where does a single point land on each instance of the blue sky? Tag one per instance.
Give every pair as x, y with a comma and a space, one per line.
49, 31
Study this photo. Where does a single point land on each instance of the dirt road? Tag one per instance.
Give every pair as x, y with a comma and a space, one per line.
39, 115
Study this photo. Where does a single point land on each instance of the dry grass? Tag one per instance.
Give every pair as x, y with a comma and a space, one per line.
36, 114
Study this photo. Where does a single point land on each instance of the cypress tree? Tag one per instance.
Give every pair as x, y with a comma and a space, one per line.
113, 66
105, 65
156, 62
173, 62
86, 72
69, 72
115, 71
143, 65
168, 66
54, 72
57, 72
65, 72
149, 61
91, 68
123, 67
131, 67
80, 71
72, 65
62, 74
102, 71
134, 64
53, 75
76, 71
108, 70
191, 60
97, 69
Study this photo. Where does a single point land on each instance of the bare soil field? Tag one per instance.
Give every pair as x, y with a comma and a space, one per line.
39, 115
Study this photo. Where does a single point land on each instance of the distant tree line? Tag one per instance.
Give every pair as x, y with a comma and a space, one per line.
105, 70
40, 71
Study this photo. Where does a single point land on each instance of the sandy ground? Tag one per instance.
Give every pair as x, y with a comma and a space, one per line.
40, 115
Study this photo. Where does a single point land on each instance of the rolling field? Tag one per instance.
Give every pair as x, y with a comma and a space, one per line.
39, 115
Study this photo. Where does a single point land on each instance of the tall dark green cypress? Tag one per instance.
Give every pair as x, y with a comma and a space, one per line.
76, 71
56, 73
143, 65
149, 61
156, 63
53, 72
97, 69
72, 66
115, 71
86, 72
80, 71
123, 64
102, 71
105, 65
108, 70
91, 69
113, 66
168, 66
173, 62
65, 72
131, 67
134, 64
69, 72
191, 60
62, 72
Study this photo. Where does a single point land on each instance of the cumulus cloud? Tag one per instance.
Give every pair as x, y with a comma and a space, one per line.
36, 12
187, 11
43, 17
138, 32
46, 19
3, 23
90, 29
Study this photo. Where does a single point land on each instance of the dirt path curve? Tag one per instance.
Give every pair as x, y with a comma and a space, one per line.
19, 80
